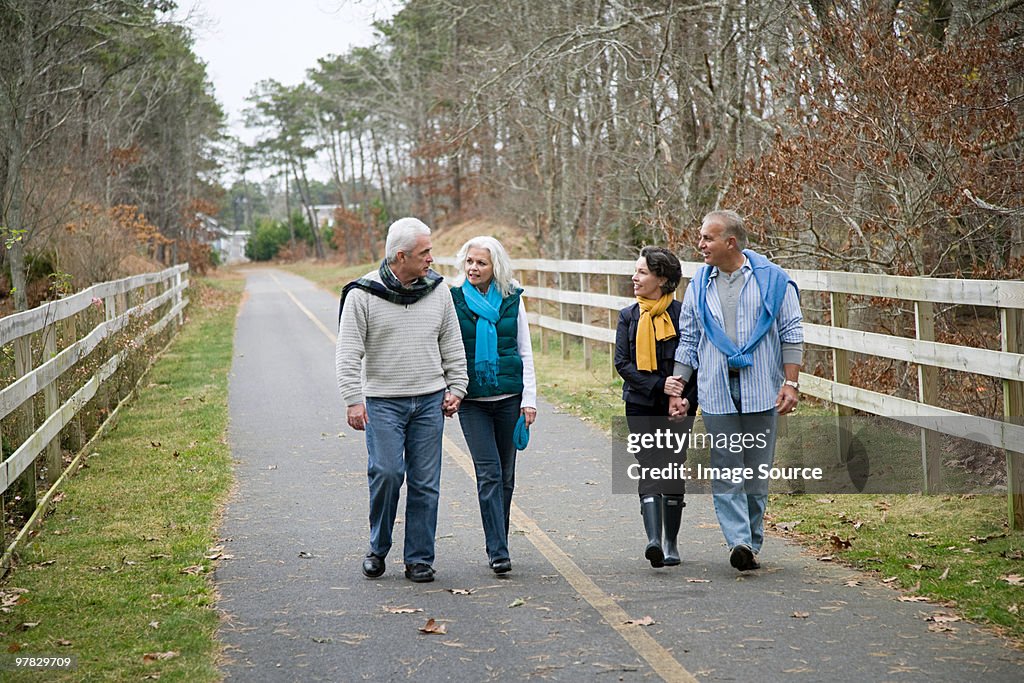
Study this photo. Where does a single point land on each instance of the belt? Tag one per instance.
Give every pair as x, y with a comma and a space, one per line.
734, 373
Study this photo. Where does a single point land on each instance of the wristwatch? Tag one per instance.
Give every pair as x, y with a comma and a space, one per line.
791, 383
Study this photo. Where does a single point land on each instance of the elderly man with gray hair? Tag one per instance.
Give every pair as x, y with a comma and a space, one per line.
401, 370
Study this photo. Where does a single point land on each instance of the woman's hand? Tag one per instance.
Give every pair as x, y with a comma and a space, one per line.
529, 415
674, 386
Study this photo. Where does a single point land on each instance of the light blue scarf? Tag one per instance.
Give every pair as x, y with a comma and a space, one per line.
488, 310
772, 282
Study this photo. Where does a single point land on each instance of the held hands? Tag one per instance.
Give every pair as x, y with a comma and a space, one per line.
529, 415
787, 399
677, 409
357, 417
450, 405
674, 386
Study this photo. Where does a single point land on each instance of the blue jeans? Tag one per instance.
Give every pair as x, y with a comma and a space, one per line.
403, 442
740, 505
488, 427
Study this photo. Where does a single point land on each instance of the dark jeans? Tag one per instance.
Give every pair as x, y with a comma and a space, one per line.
488, 427
648, 419
403, 442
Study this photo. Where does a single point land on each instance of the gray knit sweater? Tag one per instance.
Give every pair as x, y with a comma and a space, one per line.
387, 350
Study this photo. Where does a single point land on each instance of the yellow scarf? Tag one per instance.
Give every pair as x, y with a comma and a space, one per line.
655, 323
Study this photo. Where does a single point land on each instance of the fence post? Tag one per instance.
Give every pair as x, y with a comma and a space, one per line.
1012, 323
561, 317
176, 283
544, 308
51, 402
613, 323
841, 374
928, 392
25, 485
585, 320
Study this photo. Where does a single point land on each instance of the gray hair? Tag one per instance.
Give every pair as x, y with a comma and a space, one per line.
402, 236
500, 261
732, 225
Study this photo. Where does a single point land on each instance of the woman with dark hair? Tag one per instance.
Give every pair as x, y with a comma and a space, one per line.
645, 344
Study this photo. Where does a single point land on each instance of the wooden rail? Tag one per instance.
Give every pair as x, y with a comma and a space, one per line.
39, 366
558, 284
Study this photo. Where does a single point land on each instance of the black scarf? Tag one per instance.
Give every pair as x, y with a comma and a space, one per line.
392, 289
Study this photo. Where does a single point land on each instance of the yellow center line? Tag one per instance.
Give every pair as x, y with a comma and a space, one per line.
660, 659
309, 314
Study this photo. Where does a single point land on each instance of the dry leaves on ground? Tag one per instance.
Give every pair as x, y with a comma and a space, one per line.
433, 627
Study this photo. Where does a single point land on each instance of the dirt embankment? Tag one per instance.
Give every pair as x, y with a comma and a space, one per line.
518, 242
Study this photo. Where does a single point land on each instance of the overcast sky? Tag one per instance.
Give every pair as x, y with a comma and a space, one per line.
246, 41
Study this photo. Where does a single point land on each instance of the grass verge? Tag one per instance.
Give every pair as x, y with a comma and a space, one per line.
117, 575
954, 550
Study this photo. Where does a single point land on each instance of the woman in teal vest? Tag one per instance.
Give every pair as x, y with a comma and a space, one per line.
501, 403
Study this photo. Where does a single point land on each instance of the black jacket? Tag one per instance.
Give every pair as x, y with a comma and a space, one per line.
641, 386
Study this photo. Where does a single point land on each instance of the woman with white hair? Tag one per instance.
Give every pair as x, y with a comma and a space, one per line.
501, 402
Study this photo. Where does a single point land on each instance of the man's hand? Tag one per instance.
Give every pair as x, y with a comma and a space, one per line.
674, 386
529, 415
677, 409
450, 405
357, 417
787, 399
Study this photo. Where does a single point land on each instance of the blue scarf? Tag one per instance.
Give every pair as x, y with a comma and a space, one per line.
488, 310
772, 281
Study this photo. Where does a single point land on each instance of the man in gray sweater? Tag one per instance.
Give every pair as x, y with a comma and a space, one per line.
401, 370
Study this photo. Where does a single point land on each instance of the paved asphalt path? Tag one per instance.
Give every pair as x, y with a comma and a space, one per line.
296, 607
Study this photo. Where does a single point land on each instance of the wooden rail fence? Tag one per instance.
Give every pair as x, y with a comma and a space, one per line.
572, 283
48, 344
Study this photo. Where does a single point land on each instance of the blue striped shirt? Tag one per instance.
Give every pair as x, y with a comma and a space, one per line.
759, 383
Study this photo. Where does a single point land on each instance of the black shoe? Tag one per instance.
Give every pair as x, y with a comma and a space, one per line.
373, 566
650, 510
502, 566
419, 573
672, 515
742, 558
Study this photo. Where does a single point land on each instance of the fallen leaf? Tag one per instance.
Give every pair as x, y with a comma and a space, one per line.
154, 444
800, 615
986, 539
154, 624
944, 575
1013, 579
401, 610
787, 526
890, 579
941, 628
14, 647
26, 625
919, 534
306, 556
194, 569
853, 582
839, 543
517, 602
912, 598
1013, 554
826, 558
824, 500
698, 581
1013, 609
151, 657
461, 591
64, 643
644, 621
942, 618
433, 627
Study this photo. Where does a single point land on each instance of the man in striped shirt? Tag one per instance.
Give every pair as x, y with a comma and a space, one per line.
741, 326
401, 369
